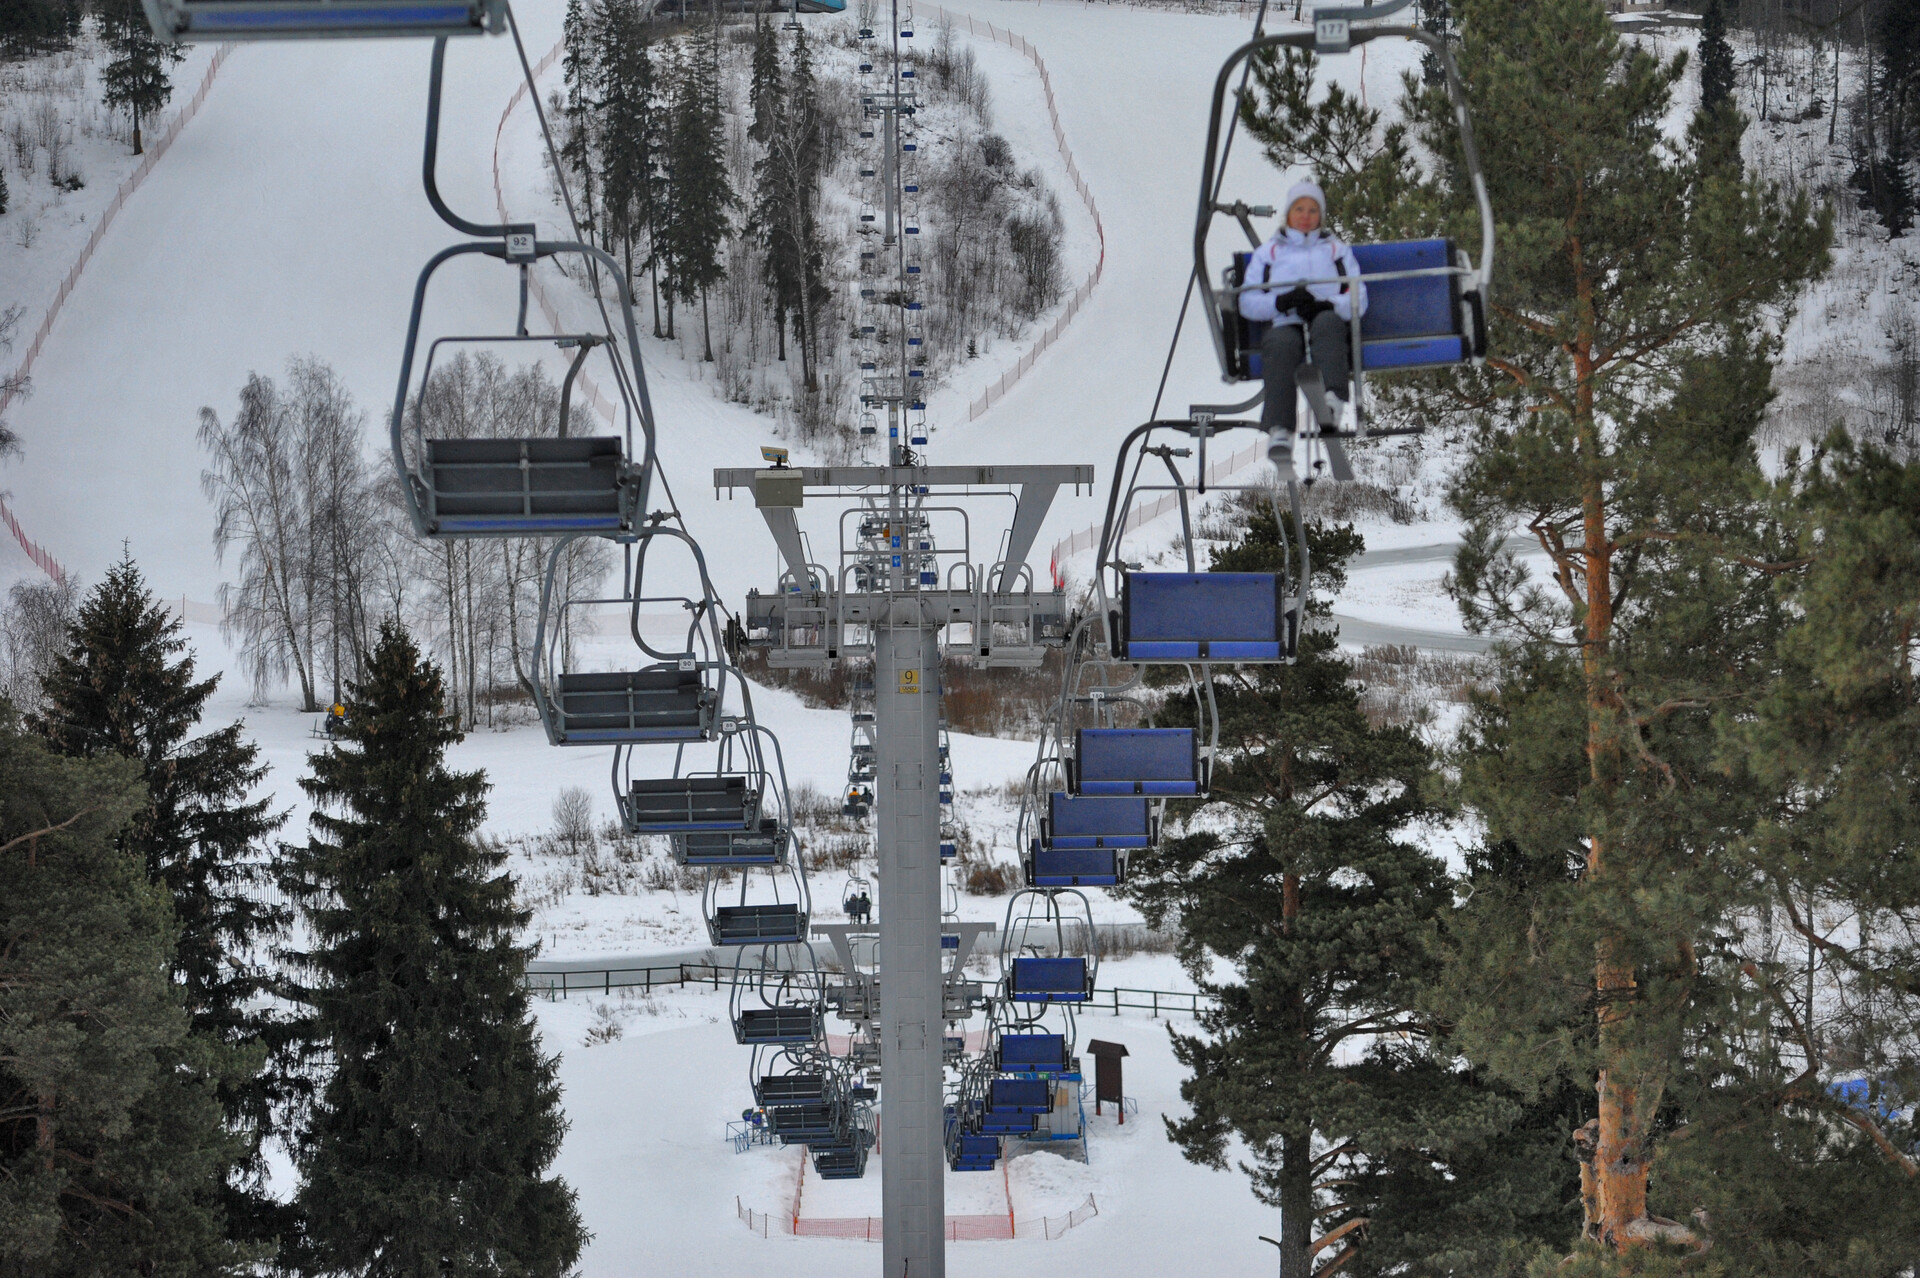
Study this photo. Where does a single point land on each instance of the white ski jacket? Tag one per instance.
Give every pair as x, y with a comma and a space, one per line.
1291, 256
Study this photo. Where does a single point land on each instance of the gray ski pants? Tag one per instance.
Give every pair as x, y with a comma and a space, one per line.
1284, 349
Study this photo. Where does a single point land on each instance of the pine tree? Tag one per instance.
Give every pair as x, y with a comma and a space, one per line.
766, 92
1888, 147
427, 1145
112, 1153
124, 689
135, 80
1631, 353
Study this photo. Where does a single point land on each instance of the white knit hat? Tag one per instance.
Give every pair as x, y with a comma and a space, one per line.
1306, 189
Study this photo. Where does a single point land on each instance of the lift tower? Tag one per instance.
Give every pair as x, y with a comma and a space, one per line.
905, 616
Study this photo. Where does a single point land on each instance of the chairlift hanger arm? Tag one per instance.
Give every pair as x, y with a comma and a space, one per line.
429, 163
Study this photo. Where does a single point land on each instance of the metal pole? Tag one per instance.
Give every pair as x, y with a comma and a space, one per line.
913, 1166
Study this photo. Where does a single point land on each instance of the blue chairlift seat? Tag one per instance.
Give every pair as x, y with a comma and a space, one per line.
284, 19
527, 487
1204, 616
757, 925
949, 850
1120, 761
1031, 1054
764, 846
1101, 821
1419, 322
788, 1023
1049, 980
1019, 1096
993, 1124
637, 706
973, 1153
1073, 867
679, 805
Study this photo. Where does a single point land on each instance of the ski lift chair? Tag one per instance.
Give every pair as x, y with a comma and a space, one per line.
1419, 312
783, 1023
766, 845
1074, 867
969, 1152
525, 485
1049, 980
773, 923
1099, 821
1426, 298
658, 704
776, 1007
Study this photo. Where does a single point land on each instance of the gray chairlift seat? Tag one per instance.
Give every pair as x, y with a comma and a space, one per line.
528, 487
777, 1089
681, 805
757, 925
766, 845
623, 707
787, 1023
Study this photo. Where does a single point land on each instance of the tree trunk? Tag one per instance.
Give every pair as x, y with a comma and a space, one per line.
1614, 1171
1296, 1205
137, 150
780, 326
706, 329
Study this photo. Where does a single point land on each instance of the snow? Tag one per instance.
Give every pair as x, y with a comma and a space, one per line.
658, 1182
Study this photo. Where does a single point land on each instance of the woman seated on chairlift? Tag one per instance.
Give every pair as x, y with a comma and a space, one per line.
1307, 317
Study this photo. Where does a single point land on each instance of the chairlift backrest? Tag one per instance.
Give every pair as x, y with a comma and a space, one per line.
670, 805
199, 20
1049, 980
1098, 821
526, 487
1057, 867
1220, 616
601, 707
1119, 761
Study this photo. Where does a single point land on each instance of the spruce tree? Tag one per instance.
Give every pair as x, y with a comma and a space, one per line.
785, 213
427, 1146
124, 688
1716, 59
579, 70
135, 80
112, 1153
699, 192
629, 122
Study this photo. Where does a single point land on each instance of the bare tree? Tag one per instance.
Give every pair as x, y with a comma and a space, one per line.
293, 488
34, 621
12, 385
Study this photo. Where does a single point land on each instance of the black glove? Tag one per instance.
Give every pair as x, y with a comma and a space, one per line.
1294, 300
